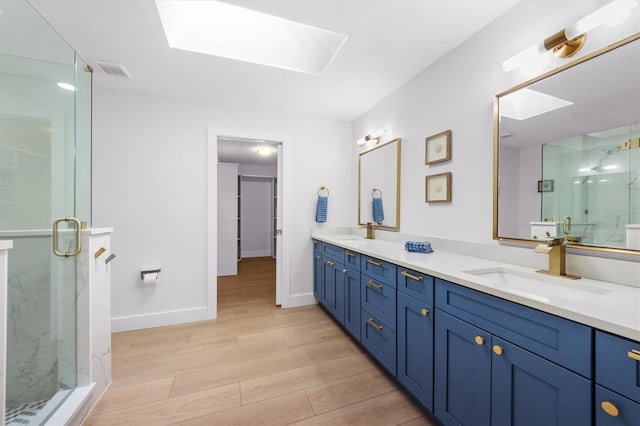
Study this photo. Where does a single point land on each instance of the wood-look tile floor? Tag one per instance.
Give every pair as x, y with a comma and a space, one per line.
256, 364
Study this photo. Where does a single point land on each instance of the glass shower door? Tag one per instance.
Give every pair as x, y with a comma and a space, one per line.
45, 149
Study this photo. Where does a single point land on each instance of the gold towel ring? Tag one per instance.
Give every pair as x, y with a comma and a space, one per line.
373, 193
323, 188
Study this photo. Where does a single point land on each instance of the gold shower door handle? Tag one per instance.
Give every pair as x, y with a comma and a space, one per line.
78, 249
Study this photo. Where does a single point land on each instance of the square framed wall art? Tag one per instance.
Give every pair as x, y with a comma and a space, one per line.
438, 148
438, 188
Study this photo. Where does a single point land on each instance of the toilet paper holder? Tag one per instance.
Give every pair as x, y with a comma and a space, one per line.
149, 271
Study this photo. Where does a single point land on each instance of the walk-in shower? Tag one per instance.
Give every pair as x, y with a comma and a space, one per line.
45, 172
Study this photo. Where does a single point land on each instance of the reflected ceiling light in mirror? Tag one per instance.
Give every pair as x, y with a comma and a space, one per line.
229, 31
568, 41
527, 103
372, 137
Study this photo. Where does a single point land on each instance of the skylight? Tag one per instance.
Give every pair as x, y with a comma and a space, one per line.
221, 29
527, 103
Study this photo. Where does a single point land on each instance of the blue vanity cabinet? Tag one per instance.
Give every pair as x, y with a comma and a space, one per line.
462, 373
378, 310
317, 270
415, 348
352, 314
529, 390
333, 277
489, 368
617, 380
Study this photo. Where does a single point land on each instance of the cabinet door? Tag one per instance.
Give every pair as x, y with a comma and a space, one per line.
415, 348
462, 372
333, 288
352, 302
615, 410
317, 275
529, 390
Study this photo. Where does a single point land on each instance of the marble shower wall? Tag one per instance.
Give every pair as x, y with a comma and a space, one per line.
41, 321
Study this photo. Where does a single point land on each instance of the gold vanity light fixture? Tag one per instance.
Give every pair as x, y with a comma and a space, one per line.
568, 41
372, 135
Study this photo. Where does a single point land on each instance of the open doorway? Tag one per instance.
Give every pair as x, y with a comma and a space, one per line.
245, 210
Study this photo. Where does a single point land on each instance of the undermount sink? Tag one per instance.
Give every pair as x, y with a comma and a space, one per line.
537, 286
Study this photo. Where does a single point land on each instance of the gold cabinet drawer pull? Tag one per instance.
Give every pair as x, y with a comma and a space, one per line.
344, 271
634, 354
410, 276
372, 284
424, 312
317, 257
497, 350
609, 408
479, 340
373, 262
350, 253
330, 263
374, 325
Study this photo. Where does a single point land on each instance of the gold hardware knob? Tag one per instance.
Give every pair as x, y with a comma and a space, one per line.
497, 350
634, 354
317, 257
479, 340
330, 263
344, 271
609, 408
424, 312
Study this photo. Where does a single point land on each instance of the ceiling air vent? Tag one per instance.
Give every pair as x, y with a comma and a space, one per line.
113, 69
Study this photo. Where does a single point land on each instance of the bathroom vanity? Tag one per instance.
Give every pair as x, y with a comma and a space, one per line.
480, 342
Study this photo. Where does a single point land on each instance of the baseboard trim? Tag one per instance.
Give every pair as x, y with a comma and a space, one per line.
296, 300
158, 319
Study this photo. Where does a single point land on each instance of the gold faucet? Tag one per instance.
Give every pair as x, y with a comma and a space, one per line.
557, 258
370, 235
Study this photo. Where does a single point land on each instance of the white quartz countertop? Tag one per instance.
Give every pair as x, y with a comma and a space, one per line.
606, 306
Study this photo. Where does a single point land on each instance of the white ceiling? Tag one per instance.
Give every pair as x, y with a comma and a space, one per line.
389, 43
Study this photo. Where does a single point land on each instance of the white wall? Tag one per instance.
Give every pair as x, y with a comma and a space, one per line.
150, 184
457, 93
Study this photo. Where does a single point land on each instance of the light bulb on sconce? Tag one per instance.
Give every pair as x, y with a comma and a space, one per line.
372, 135
568, 41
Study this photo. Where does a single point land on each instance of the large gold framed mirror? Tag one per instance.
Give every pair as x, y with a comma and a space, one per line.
566, 154
379, 186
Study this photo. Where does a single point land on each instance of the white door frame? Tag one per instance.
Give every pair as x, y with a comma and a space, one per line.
282, 282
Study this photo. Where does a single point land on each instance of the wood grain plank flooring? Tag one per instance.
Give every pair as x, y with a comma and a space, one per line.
256, 364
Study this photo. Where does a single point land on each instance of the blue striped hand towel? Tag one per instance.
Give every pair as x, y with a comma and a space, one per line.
378, 212
321, 208
418, 247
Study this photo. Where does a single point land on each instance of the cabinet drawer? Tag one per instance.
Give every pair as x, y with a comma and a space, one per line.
379, 340
352, 259
617, 365
622, 411
379, 300
415, 284
380, 270
333, 252
556, 339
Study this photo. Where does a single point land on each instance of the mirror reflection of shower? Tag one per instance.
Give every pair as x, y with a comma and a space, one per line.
596, 183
